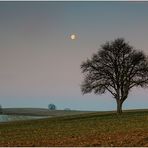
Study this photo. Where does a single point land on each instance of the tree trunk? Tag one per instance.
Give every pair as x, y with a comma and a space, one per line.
119, 107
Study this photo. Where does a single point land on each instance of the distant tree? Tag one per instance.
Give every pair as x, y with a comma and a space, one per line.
67, 109
51, 107
1, 110
117, 67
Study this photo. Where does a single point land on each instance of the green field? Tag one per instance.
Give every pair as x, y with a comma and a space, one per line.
89, 129
41, 112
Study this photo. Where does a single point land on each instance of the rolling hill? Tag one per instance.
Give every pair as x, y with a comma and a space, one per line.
89, 129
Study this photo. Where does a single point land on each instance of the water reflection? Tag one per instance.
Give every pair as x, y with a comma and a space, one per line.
7, 118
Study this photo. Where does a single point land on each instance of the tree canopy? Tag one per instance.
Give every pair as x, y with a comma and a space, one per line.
117, 67
51, 107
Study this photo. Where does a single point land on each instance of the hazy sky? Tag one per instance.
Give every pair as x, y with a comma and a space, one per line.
39, 64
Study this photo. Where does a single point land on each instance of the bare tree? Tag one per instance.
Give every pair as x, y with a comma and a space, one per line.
1, 110
117, 67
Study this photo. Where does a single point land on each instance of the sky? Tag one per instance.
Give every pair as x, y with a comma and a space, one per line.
40, 64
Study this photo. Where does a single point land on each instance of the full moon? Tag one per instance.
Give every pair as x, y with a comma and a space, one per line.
73, 36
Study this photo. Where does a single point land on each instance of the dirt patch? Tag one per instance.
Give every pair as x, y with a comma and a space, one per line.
134, 138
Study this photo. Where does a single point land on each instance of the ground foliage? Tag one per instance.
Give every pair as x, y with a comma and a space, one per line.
93, 129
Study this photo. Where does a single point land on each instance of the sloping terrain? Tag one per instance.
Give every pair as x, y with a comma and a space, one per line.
40, 112
91, 129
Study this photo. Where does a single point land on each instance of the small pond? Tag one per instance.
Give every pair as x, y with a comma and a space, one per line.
8, 118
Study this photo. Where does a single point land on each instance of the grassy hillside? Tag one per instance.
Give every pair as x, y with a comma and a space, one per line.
92, 129
40, 112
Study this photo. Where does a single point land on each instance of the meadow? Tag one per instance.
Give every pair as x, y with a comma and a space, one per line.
87, 129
